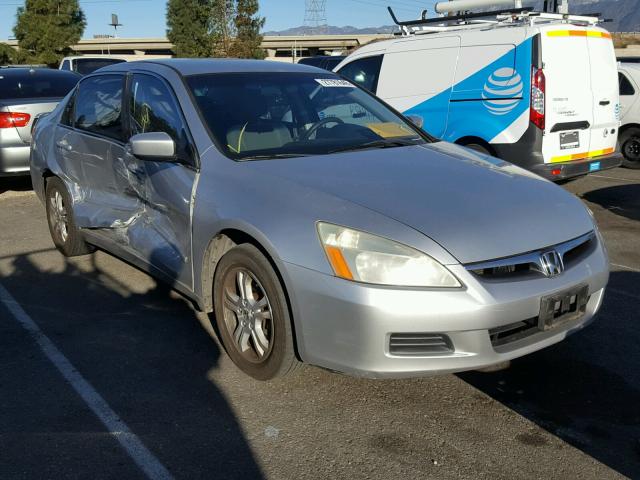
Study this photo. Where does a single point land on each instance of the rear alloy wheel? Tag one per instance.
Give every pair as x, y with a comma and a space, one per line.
64, 233
630, 146
252, 314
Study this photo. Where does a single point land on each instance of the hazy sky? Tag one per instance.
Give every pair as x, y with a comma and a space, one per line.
146, 18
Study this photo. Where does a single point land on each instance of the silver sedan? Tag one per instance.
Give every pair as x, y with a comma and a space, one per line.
313, 221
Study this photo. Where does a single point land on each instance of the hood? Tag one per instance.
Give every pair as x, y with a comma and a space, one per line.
475, 206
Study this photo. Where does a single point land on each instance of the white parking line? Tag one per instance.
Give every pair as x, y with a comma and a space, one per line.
625, 267
615, 178
147, 462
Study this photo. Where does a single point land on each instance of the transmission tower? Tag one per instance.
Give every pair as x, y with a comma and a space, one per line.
315, 16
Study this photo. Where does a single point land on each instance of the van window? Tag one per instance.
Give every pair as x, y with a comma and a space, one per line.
625, 85
66, 65
364, 72
98, 106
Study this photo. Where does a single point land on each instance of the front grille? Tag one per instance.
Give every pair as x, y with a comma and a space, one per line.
529, 264
419, 344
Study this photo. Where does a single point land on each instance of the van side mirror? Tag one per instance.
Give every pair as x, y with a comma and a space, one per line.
157, 146
417, 120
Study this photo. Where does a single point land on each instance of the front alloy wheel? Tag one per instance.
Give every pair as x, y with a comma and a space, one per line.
252, 314
247, 315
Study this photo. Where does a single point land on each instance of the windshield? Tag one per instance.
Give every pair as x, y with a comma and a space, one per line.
85, 66
268, 115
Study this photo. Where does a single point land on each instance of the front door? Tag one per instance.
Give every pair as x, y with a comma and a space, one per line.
161, 231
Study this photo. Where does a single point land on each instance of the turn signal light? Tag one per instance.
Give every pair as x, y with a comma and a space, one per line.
14, 119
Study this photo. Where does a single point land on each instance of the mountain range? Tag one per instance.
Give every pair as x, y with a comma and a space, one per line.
624, 16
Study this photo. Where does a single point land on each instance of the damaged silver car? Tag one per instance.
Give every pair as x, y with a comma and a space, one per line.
318, 224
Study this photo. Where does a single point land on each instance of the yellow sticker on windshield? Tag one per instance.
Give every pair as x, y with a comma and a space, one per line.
389, 129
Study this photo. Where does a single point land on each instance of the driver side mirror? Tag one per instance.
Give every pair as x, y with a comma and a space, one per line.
417, 120
158, 146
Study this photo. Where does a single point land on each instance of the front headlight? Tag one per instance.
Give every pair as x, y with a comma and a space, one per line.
367, 258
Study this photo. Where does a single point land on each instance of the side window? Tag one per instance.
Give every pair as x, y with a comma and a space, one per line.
66, 65
154, 108
67, 114
98, 106
625, 85
364, 72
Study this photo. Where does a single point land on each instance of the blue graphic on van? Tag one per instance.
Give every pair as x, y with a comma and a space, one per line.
484, 104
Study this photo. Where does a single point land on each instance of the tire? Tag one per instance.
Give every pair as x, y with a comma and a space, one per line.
630, 148
260, 346
478, 148
64, 233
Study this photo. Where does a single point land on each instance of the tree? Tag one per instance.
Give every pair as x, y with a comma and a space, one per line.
46, 29
222, 26
247, 29
188, 23
8, 54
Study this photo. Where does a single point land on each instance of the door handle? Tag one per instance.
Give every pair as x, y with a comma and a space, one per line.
604, 102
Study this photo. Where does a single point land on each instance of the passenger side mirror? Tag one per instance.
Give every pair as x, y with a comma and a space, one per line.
417, 120
157, 146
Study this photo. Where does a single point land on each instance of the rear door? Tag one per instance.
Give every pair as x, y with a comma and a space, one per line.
568, 95
604, 88
88, 149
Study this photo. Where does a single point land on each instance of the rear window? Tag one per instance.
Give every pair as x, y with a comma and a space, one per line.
85, 66
36, 84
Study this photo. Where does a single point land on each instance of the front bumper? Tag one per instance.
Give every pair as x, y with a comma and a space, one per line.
578, 168
346, 326
14, 160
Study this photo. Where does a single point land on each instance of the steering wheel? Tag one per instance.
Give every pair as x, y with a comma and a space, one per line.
314, 128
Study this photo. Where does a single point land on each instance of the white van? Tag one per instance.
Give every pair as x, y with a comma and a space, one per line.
84, 65
538, 90
629, 78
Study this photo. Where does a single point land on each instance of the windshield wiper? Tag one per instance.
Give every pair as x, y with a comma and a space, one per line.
377, 144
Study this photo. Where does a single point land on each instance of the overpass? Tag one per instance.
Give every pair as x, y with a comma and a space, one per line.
283, 48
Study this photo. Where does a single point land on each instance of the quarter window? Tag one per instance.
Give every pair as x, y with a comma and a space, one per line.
625, 85
98, 106
364, 72
154, 108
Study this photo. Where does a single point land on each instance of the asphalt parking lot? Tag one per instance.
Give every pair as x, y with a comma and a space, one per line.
570, 411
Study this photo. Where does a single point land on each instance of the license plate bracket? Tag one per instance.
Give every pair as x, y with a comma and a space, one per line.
569, 140
563, 307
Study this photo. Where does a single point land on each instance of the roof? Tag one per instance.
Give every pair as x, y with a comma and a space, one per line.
199, 66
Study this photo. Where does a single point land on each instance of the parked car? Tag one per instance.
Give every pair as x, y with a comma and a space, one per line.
84, 65
26, 94
629, 81
326, 62
318, 224
528, 88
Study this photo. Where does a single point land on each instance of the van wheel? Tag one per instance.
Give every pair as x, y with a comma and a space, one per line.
630, 146
252, 314
478, 148
64, 233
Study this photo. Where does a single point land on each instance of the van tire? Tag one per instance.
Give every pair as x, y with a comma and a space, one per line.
630, 148
66, 236
477, 147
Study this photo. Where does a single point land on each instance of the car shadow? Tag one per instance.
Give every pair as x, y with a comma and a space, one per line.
15, 184
585, 390
145, 352
623, 200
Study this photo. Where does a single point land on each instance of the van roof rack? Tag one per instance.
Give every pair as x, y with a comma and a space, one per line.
469, 19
